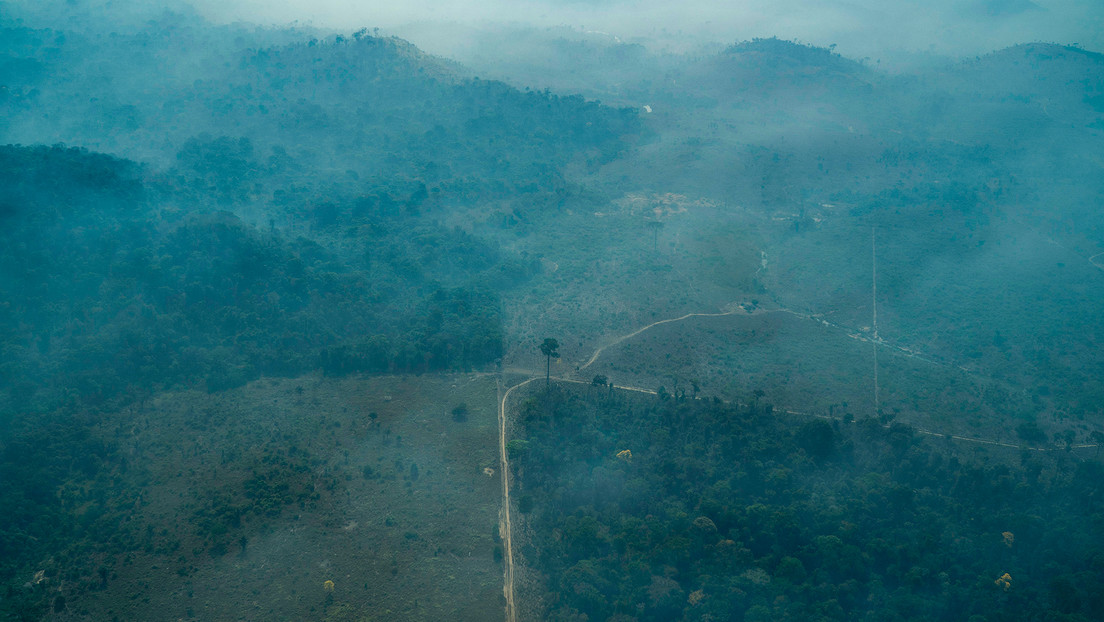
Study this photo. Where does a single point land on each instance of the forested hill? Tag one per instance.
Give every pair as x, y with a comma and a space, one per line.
110, 289
373, 106
773, 65
187, 206
1037, 69
274, 202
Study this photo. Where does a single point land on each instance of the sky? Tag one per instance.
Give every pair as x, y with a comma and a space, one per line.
873, 29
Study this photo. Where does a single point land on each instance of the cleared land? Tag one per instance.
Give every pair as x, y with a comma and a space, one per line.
803, 365
249, 501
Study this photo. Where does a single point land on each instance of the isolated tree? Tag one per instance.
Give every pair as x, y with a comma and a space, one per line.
550, 349
599, 381
655, 225
756, 395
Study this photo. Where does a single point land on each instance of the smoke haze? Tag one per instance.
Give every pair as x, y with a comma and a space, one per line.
861, 28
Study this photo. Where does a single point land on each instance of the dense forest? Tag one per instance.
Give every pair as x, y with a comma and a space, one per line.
255, 251
694, 509
265, 291
172, 298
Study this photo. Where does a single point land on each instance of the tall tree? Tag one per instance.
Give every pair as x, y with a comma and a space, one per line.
550, 349
656, 226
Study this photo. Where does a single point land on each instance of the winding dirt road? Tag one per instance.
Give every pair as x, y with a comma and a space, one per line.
598, 352
740, 311
899, 350
1092, 260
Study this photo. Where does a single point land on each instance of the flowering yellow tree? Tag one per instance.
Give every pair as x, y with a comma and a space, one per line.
1005, 581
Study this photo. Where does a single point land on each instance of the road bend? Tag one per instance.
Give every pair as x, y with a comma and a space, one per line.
1092, 260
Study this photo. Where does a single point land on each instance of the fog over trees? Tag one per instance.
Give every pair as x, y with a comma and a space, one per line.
815, 291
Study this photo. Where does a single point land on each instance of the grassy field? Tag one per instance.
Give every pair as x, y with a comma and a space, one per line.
244, 504
804, 365
1000, 318
610, 272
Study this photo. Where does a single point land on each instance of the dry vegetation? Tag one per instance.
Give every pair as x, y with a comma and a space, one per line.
247, 501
